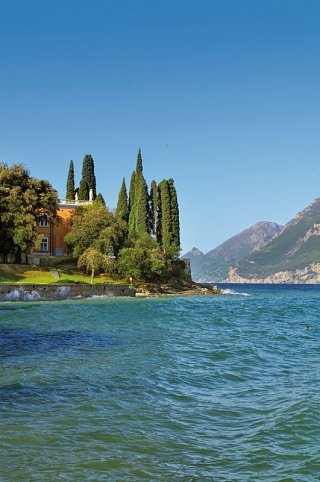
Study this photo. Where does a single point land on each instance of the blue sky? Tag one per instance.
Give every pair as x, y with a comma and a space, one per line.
223, 96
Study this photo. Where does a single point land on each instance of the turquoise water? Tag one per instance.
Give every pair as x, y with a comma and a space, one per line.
212, 388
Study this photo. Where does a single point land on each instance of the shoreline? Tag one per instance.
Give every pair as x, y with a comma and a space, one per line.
52, 292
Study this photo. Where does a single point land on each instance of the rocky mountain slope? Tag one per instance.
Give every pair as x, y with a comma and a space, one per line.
215, 265
292, 256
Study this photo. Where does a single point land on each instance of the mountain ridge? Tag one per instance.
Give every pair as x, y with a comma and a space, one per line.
294, 250
215, 264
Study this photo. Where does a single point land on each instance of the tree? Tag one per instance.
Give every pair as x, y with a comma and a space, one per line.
23, 199
138, 201
168, 232
94, 226
139, 167
132, 205
70, 188
142, 206
154, 208
88, 180
143, 260
92, 260
174, 216
86, 227
164, 232
122, 210
100, 199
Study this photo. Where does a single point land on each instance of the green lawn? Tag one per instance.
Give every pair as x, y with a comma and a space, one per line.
22, 274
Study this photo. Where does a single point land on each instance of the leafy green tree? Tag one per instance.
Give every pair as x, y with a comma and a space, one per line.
88, 180
87, 226
143, 260
70, 188
22, 200
92, 260
122, 210
94, 226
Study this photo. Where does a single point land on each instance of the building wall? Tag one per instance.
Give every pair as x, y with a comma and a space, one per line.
53, 234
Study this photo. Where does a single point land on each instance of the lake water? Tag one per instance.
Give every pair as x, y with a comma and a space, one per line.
211, 388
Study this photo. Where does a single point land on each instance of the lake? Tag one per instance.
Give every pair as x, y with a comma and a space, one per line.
208, 388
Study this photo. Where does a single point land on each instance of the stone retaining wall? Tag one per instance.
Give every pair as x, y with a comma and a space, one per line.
32, 292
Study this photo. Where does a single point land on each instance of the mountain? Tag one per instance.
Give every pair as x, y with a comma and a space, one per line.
292, 256
215, 265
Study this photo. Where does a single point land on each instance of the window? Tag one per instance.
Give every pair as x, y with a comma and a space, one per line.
44, 244
43, 222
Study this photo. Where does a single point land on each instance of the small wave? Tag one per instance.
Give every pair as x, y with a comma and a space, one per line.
232, 292
21, 295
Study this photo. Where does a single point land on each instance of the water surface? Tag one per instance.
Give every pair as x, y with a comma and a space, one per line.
212, 388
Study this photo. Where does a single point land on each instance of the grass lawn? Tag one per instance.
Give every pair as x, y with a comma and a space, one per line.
23, 274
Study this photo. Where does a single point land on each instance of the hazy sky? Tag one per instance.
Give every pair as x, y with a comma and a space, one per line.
223, 96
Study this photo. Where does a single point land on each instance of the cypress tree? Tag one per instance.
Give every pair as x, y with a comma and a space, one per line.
132, 206
139, 167
122, 210
142, 206
154, 206
139, 214
165, 234
174, 214
70, 182
100, 199
88, 180
83, 193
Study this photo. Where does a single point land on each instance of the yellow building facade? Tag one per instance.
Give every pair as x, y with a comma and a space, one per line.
53, 233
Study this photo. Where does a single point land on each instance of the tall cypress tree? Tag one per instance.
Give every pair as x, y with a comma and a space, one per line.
139, 167
70, 182
142, 205
154, 206
122, 210
174, 214
132, 204
164, 234
88, 180
138, 201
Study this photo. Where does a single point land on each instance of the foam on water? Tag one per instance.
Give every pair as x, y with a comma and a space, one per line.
20, 294
232, 292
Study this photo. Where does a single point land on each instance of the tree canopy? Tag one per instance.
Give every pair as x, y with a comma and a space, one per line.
22, 200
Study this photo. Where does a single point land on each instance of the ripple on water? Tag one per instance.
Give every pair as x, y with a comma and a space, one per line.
186, 388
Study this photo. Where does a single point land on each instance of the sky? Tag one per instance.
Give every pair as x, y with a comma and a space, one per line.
222, 96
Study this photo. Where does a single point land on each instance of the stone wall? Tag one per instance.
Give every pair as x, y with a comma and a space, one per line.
32, 292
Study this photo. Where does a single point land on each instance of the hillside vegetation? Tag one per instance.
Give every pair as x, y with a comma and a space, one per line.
297, 246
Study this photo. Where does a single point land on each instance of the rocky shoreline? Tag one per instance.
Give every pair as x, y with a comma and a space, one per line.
186, 289
52, 292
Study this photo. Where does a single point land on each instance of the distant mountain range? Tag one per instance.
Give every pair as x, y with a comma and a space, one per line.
266, 252
215, 265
